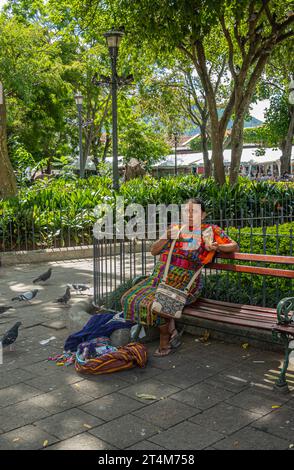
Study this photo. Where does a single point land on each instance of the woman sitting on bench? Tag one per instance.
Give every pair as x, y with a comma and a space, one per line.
138, 300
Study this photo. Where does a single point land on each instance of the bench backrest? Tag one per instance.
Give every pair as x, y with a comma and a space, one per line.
250, 257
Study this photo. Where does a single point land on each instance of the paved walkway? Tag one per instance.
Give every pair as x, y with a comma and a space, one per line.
208, 395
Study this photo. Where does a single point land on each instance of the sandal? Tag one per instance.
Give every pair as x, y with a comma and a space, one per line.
175, 341
163, 352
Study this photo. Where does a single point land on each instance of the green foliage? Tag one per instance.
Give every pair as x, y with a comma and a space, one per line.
52, 213
255, 289
245, 199
61, 211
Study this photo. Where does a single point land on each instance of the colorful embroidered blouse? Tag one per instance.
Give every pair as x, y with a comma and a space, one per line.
198, 255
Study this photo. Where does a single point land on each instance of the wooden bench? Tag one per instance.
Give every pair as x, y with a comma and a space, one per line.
279, 321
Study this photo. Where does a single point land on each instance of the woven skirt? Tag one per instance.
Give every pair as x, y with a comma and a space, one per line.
137, 301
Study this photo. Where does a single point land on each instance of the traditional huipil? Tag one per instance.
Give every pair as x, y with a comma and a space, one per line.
137, 301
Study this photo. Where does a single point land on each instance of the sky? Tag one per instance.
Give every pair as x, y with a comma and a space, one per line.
257, 110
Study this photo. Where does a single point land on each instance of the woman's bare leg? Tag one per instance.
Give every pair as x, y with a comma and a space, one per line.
164, 346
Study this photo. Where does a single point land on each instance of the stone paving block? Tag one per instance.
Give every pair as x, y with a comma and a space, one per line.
61, 399
68, 423
202, 396
111, 406
82, 442
251, 439
55, 325
43, 367
125, 431
257, 401
137, 375
17, 393
53, 381
150, 387
99, 386
227, 381
13, 377
15, 416
26, 438
166, 413
279, 422
224, 418
188, 375
27, 357
186, 436
145, 445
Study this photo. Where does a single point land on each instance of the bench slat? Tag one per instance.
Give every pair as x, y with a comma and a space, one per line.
231, 304
238, 321
285, 329
252, 269
258, 257
238, 312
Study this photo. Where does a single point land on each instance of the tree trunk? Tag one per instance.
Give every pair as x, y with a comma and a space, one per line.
7, 177
207, 162
237, 148
287, 146
217, 155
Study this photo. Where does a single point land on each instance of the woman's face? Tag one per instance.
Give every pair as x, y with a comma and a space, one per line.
194, 214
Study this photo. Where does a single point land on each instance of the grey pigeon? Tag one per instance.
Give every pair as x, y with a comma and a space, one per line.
26, 295
11, 335
65, 298
79, 287
43, 277
4, 308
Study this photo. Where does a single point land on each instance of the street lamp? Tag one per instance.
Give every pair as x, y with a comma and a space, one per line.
79, 103
113, 39
291, 92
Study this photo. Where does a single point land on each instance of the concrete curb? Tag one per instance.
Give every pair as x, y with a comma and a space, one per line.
39, 256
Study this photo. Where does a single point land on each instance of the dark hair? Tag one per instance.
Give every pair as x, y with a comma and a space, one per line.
196, 200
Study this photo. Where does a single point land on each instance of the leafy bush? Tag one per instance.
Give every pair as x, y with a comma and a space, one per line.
60, 212
255, 289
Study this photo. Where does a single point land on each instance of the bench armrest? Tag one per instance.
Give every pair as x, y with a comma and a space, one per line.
285, 311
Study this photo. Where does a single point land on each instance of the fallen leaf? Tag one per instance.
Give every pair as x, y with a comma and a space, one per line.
291, 446
205, 336
276, 406
87, 426
16, 439
45, 443
245, 345
145, 396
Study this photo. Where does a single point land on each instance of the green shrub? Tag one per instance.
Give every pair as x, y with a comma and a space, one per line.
255, 289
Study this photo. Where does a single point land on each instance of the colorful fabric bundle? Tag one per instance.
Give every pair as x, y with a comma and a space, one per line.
101, 324
93, 349
126, 357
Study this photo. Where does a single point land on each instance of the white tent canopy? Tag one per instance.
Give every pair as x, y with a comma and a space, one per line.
249, 155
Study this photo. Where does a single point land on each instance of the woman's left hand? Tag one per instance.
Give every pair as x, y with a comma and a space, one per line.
212, 247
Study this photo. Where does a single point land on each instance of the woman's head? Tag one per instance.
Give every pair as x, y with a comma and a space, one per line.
190, 208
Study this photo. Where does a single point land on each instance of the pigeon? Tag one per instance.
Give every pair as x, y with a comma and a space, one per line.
43, 277
11, 335
79, 287
4, 308
26, 295
65, 298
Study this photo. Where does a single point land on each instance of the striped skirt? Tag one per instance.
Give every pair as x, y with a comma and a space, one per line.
137, 301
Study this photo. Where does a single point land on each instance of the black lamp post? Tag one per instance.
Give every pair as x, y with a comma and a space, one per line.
79, 103
113, 39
